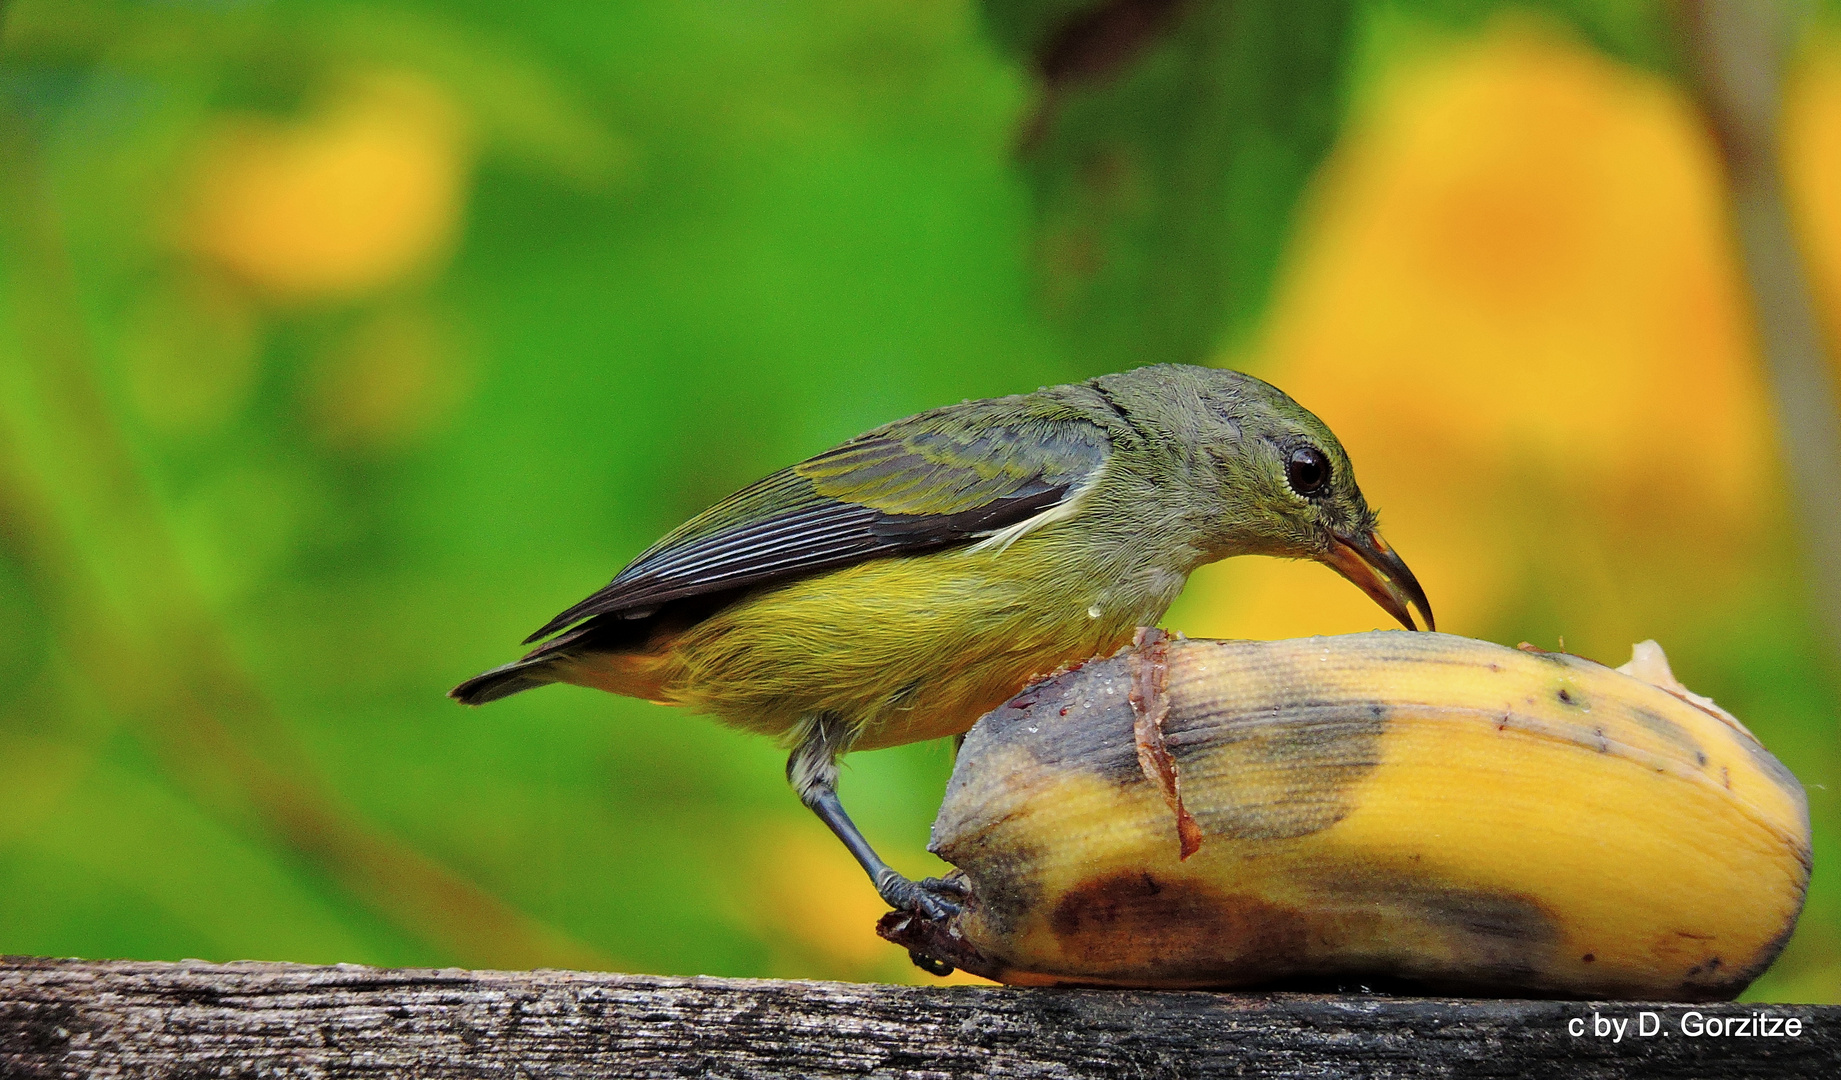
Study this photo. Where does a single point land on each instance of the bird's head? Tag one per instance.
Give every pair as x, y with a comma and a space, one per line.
1268, 477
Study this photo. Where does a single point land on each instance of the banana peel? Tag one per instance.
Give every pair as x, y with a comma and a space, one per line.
1385, 808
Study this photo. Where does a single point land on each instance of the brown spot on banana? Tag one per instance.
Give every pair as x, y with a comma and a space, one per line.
1144, 927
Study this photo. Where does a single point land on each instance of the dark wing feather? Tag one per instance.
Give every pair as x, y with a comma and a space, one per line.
932, 480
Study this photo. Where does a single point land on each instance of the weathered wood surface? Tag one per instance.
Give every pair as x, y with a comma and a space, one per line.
66, 1018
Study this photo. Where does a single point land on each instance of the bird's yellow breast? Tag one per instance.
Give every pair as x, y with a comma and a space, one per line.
906, 649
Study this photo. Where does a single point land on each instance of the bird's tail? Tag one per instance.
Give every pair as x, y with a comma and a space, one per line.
506, 680
602, 653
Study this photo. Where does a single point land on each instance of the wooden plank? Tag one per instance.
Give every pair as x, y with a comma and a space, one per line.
69, 1018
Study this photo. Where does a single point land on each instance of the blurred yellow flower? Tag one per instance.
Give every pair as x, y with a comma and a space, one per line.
1517, 302
360, 194
814, 904
1812, 164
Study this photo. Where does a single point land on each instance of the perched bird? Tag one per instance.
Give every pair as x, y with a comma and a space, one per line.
898, 586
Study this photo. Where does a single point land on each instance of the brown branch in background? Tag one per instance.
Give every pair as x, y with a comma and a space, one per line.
1737, 52
125, 606
1091, 47
1098, 42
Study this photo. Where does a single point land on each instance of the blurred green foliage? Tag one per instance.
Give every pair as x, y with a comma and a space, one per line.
253, 525
1166, 152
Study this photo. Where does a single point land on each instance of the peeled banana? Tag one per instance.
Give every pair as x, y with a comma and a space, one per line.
1384, 807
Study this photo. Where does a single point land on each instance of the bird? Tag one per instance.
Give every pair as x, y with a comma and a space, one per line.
896, 587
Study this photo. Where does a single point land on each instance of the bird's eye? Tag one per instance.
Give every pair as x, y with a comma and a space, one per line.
1308, 470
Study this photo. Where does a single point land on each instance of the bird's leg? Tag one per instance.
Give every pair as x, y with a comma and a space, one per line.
812, 770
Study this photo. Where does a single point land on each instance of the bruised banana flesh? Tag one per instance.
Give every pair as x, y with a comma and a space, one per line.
1383, 807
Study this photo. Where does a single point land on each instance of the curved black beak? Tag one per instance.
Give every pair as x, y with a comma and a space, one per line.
1376, 570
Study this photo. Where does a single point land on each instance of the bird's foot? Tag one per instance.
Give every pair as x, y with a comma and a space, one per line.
935, 898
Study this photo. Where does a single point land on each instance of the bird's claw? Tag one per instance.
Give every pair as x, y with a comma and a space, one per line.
923, 920
928, 899
954, 887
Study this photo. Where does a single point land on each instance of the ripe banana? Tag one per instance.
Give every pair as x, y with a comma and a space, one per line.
1390, 807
